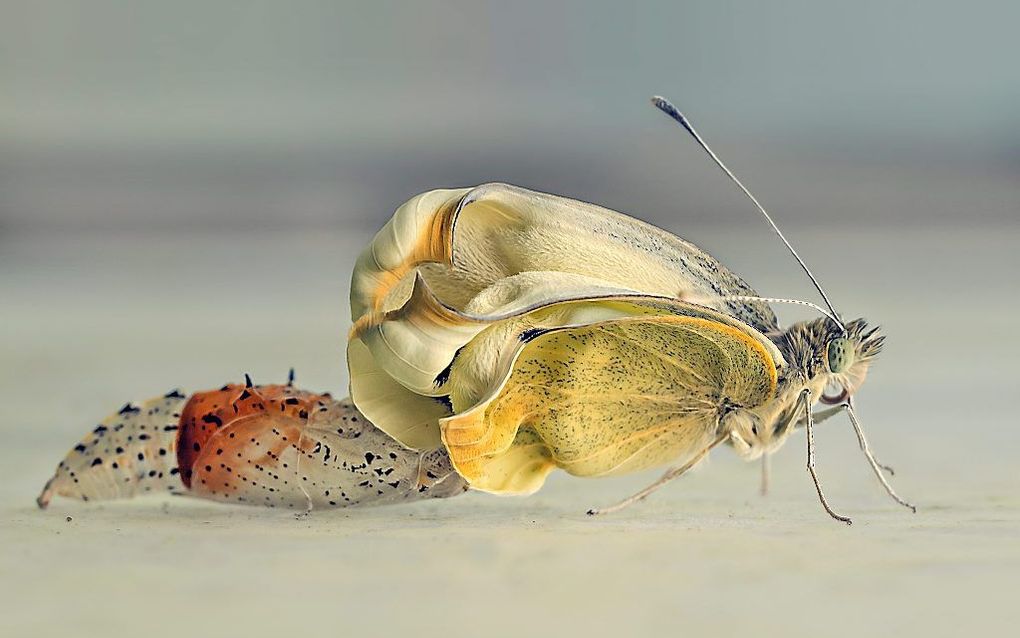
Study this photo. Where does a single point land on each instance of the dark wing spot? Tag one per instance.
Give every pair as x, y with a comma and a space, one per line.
444, 375
530, 334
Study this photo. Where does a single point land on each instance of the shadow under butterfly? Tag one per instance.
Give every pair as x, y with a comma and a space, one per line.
499, 334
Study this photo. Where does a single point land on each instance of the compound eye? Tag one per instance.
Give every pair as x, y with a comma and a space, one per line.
829, 399
840, 355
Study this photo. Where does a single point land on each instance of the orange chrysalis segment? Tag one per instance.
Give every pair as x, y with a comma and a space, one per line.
206, 413
253, 459
287, 448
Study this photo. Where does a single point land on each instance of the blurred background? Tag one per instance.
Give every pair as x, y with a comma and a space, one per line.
185, 185
210, 115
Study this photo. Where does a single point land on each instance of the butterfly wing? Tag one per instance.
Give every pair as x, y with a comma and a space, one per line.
465, 240
443, 292
402, 367
482, 363
417, 341
412, 419
608, 398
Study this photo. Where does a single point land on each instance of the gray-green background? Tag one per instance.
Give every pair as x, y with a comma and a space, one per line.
174, 115
184, 187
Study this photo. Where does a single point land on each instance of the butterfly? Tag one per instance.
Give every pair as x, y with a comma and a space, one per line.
525, 332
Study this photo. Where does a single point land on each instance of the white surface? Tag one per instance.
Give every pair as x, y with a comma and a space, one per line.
89, 322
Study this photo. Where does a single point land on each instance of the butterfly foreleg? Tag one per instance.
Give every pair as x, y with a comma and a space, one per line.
875, 465
809, 427
672, 473
820, 416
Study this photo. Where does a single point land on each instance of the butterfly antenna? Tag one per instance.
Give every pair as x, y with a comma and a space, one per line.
667, 107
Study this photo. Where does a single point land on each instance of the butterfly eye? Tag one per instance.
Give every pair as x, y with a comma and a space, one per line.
840, 355
830, 399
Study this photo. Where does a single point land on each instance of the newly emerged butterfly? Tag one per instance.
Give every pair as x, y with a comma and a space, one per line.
499, 334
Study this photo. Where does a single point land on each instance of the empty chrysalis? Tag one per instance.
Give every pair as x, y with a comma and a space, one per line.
500, 334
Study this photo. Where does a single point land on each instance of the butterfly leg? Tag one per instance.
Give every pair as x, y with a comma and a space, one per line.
848, 407
821, 416
670, 474
766, 473
875, 465
809, 426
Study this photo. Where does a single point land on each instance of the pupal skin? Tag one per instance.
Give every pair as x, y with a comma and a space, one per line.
245, 444
805, 346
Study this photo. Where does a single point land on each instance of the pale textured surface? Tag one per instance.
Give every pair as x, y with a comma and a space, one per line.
90, 322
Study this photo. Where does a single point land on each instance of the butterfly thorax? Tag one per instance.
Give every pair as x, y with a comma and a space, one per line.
821, 359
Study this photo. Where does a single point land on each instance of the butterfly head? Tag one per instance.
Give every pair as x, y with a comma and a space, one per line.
830, 358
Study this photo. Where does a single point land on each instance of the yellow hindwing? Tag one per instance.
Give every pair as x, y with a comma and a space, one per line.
608, 398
